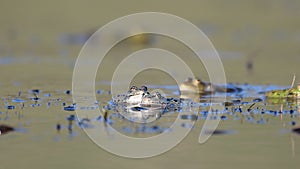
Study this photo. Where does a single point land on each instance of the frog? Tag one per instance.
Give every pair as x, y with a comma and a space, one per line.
196, 85
292, 93
141, 97
139, 105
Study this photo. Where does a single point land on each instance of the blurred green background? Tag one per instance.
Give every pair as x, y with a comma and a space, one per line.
265, 33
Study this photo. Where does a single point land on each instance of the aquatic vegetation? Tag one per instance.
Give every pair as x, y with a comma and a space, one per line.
36, 91
18, 100
58, 127
71, 118
70, 108
67, 92
5, 129
10, 107
221, 132
147, 113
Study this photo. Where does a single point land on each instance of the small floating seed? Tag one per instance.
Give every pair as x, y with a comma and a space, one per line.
69, 108
292, 123
71, 117
68, 92
58, 127
223, 117
10, 107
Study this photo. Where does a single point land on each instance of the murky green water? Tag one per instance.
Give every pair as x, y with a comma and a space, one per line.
244, 140
34, 56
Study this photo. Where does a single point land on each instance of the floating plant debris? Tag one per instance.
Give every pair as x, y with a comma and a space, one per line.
47, 94
70, 108
36, 98
296, 130
236, 101
67, 92
219, 132
10, 107
228, 104
71, 117
58, 127
189, 117
4, 129
36, 91
18, 100
85, 123
140, 105
223, 117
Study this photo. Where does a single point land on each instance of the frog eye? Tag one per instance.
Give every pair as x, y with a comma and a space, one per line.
144, 88
133, 88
